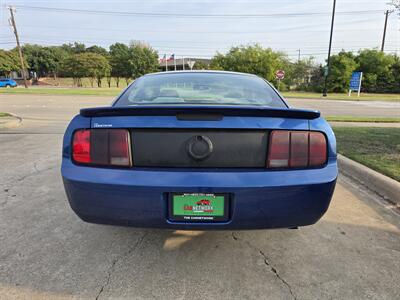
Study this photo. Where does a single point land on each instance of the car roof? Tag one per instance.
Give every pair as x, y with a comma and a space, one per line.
200, 71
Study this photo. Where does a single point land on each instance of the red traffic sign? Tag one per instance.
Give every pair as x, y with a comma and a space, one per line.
280, 74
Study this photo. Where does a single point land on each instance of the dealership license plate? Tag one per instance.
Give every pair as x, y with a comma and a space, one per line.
198, 207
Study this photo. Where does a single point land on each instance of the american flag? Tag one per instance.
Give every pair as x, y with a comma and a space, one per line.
172, 57
164, 58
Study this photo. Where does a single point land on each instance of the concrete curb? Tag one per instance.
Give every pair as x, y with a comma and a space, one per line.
380, 184
10, 122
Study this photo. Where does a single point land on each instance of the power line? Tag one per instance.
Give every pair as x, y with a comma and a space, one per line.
172, 44
184, 15
191, 31
187, 43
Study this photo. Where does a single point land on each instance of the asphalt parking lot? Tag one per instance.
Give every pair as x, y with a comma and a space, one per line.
46, 252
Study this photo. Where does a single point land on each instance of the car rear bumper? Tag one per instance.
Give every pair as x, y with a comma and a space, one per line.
258, 199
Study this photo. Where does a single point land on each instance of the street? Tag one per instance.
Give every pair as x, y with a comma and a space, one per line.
47, 252
45, 113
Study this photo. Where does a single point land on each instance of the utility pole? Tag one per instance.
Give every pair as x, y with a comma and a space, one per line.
298, 59
387, 13
23, 70
325, 92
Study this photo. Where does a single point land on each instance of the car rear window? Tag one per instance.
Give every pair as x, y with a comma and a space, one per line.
200, 88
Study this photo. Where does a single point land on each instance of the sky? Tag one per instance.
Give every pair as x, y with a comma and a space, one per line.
195, 28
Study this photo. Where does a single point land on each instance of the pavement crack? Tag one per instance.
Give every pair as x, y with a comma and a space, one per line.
35, 167
275, 271
270, 266
35, 172
8, 196
234, 236
111, 269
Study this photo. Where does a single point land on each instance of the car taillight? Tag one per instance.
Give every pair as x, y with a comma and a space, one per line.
81, 146
104, 147
296, 149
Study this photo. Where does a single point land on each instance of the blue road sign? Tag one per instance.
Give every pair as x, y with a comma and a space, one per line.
355, 81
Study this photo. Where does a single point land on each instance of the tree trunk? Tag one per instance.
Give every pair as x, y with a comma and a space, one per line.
98, 81
117, 81
109, 81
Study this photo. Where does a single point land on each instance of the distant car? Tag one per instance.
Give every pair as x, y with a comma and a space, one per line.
7, 82
172, 139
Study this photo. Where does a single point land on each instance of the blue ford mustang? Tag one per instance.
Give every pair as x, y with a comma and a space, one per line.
199, 150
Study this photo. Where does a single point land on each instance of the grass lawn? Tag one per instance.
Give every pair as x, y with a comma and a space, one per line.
376, 148
103, 91
64, 89
2, 114
86, 82
333, 96
363, 119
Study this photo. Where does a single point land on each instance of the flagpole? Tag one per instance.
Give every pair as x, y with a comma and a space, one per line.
174, 62
183, 63
166, 63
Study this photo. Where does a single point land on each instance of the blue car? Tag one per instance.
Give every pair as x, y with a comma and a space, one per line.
7, 82
199, 150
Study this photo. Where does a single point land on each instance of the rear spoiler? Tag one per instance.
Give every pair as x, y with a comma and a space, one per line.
185, 111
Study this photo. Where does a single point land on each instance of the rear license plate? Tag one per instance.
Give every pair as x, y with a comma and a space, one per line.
198, 207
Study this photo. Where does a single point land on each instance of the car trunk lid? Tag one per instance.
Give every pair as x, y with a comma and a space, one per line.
199, 136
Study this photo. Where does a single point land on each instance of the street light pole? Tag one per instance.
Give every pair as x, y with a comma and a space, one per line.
325, 92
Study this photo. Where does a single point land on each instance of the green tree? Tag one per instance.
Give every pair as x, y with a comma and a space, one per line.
75, 66
375, 66
251, 59
299, 74
199, 65
119, 56
58, 55
341, 67
74, 48
317, 80
92, 65
395, 71
97, 49
43, 61
9, 62
142, 60
97, 67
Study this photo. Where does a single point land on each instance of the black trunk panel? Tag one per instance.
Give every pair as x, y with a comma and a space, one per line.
202, 148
